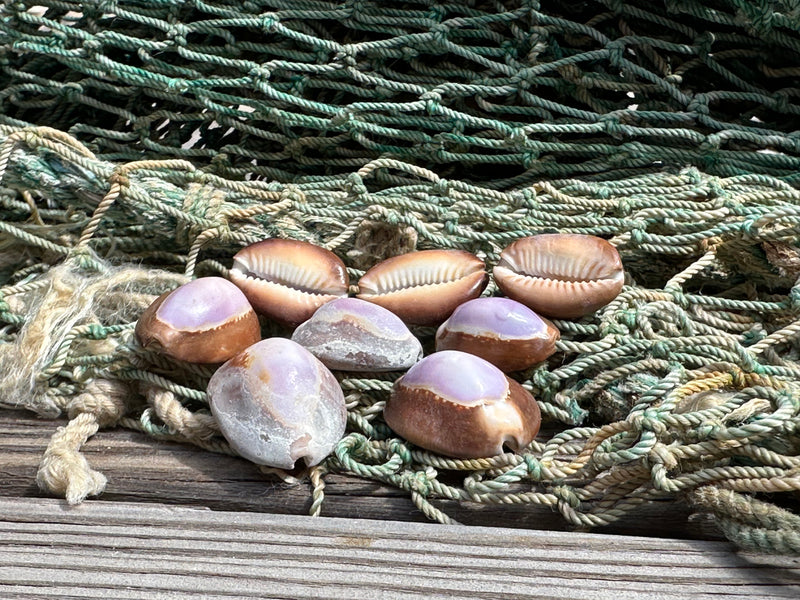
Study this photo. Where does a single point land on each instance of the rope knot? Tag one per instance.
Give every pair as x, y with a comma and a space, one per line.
543, 379
612, 126
534, 466
567, 495
260, 73
661, 454
294, 194
63, 470
703, 43
698, 104
398, 447
342, 118
432, 100
649, 420
450, 222
96, 331
177, 30
794, 297
441, 188
106, 399
660, 349
71, 89
355, 445
268, 22
119, 178
177, 86
439, 33
529, 157
616, 52
201, 202
418, 481
783, 105
355, 185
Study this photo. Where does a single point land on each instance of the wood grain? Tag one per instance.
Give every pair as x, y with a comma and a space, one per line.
123, 550
141, 469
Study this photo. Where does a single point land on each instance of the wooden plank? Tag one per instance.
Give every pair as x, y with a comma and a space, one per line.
123, 550
141, 469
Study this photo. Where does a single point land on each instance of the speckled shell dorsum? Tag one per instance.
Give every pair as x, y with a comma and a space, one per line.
288, 280
276, 404
459, 405
207, 320
562, 276
353, 335
424, 287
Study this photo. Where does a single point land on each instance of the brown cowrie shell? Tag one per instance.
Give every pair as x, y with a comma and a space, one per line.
460, 405
503, 331
288, 280
423, 288
563, 276
207, 320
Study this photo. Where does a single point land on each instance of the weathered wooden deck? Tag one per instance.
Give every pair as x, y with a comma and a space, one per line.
179, 522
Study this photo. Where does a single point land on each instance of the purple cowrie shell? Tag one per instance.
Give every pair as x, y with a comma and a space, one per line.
288, 280
460, 405
276, 404
563, 276
207, 320
506, 333
354, 335
424, 287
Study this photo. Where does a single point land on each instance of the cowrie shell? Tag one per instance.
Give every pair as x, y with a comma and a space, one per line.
563, 276
503, 331
354, 335
277, 404
288, 280
207, 320
424, 287
460, 405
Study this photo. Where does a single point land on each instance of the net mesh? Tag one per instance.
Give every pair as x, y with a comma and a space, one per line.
500, 92
144, 143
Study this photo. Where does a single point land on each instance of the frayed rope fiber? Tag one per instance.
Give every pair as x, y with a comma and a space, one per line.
687, 384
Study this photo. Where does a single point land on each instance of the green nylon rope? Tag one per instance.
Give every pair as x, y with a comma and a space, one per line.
143, 143
687, 382
503, 94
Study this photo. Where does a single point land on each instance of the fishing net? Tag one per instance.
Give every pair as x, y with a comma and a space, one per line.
143, 143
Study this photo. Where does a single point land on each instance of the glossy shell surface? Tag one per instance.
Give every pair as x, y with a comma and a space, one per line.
506, 333
287, 280
459, 405
277, 404
207, 320
562, 276
355, 335
424, 287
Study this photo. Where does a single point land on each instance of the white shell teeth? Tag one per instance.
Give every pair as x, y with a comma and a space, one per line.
562, 276
420, 276
547, 261
424, 287
427, 267
279, 272
288, 279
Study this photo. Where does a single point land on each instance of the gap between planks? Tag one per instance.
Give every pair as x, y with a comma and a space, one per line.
126, 550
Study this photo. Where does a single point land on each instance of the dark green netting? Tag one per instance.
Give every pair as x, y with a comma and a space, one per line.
144, 143
498, 92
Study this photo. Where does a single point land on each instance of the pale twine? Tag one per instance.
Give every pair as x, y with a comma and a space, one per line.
63, 470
